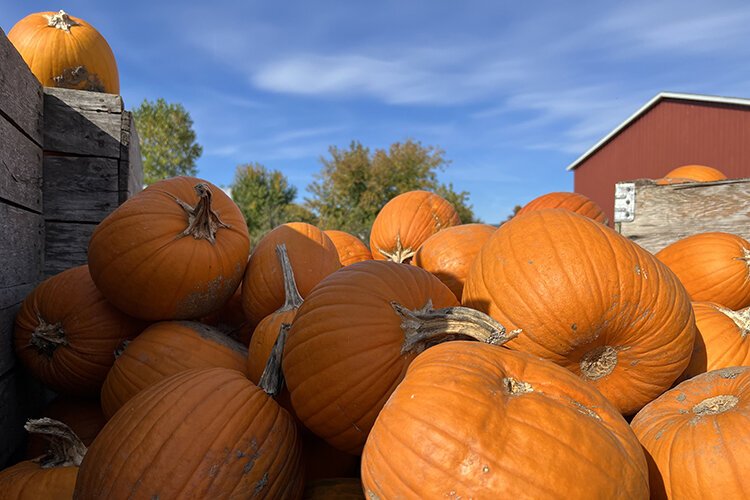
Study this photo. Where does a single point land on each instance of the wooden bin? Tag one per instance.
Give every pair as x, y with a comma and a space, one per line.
655, 215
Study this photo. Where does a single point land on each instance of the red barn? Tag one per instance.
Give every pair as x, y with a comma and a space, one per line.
670, 130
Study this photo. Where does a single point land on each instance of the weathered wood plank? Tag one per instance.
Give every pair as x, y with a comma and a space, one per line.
131, 165
72, 127
20, 91
66, 245
10, 302
21, 246
83, 100
665, 214
20, 168
80, 188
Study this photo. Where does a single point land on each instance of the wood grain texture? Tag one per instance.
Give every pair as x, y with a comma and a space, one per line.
665, 214
20, 91
83, 123
10, 301
66, 245
20, 167
131, 164
80, 189
21, 246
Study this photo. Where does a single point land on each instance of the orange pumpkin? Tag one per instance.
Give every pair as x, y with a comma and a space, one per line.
588, 299
204, 433
696, 437
692, 173
313, 257
470, 420
723, 338
230, 319
52, 475
66, 333
351, 342
449, 253
64, 51
176, 250
349, 247
714, 267
405, 222
575, 202
164, 349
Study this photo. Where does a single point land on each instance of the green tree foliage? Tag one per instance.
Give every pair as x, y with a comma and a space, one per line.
167, 140
354, 183
266, 199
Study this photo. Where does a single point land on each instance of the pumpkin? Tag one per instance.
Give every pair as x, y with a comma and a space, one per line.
406, 221
202, 433
66, 333
352, 339
714, 267
230, 319
83, 416
334, 489
164, 349
448, 254
696, 437
176, 250
575, 202
470, 420
588, 299
52, 475
265, 334
349, 247
692, 173
313, 257
723, 338
64, 51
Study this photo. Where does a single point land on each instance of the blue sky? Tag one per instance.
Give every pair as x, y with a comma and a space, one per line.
513, 94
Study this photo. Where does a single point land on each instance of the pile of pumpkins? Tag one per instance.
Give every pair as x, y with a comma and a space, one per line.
547, 358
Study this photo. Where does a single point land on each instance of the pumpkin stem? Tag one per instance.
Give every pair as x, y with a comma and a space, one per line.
426, 327
293, 300
741, 318
65, 448
61, 21
715, 405
272, 379
203, 222
400, 254
47, 337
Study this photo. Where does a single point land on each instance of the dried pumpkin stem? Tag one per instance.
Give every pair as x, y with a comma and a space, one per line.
272, 379
426, 327
65, 448
741, 318
203, 221
47, 337
293, 300
61, 21
400, 254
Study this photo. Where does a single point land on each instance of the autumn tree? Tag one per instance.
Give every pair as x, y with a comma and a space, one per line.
355, 183
266, 199
167, 140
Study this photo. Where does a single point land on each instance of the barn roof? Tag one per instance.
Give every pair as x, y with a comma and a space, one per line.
710, 99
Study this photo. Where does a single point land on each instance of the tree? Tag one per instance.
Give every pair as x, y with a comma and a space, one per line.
167, 140
266, 199
354, 184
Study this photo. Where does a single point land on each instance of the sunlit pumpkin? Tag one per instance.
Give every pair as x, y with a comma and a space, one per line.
692, 173
575, 202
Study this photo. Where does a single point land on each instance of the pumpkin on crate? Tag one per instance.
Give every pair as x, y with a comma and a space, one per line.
575, 202
176, 250
66, 333
406, 221
696, 437
723, 338
470, 420
350, 248
163, 349
713, 266
202, 433
588, 299
448, 254
313, 257
692, 173
51, 475
353, 338
65, 51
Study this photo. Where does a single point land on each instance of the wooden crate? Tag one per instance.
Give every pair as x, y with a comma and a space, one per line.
655, 216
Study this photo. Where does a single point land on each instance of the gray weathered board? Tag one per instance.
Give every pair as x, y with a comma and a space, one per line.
663, 214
